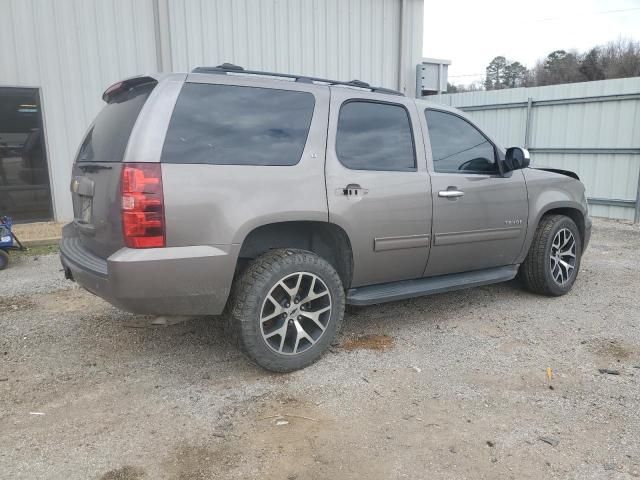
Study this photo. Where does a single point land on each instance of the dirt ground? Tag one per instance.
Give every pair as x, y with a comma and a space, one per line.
451, 386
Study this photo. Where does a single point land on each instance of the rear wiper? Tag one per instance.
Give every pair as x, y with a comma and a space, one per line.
92, 167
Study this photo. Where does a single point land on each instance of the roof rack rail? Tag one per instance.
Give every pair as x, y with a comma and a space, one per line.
226, 68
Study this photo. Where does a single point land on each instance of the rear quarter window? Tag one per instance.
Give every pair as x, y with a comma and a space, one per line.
237, 125
108, 137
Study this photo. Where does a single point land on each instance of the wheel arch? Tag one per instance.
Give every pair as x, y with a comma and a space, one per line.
325, 239
573, 213
569, 209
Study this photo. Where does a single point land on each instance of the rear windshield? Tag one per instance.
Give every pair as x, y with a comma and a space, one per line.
233, 125
108, 138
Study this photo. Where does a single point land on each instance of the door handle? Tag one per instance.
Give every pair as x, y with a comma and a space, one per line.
352, 190
451, 193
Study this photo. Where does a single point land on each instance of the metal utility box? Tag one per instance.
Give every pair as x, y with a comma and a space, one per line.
431, 76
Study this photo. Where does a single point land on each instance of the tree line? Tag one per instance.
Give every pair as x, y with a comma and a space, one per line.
619, 59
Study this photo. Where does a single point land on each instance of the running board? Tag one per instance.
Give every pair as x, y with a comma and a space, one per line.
389, 292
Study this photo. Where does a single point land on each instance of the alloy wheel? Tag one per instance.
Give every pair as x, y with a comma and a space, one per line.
295, 313
563, 256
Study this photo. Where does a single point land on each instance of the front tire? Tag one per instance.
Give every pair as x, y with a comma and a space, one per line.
553, 261
286, 309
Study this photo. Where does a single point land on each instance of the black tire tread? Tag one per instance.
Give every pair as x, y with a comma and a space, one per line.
532, 270
245, 302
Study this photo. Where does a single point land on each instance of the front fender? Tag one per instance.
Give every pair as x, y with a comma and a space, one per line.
548, 191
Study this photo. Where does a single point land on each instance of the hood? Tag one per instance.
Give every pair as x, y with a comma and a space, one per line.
559, 171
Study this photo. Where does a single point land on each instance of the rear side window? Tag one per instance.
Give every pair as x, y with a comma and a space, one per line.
232, 125
107, 140
375, 136
457, 146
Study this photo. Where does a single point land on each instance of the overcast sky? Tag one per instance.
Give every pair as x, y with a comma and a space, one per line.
471, 33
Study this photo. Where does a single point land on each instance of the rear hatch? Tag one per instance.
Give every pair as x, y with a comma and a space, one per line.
95, 184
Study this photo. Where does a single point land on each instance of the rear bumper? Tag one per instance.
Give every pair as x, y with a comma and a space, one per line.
193, 280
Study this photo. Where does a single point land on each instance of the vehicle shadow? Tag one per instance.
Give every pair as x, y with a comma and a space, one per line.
199, 345
439, 309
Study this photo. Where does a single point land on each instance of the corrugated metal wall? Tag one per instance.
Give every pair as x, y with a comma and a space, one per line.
341, 39
73, 49
611, 125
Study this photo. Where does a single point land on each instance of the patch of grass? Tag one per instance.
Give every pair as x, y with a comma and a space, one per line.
37, 250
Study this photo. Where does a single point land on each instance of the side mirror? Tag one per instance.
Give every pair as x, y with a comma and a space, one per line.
516, 158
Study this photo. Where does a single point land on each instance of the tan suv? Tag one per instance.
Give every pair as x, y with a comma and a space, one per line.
278, 199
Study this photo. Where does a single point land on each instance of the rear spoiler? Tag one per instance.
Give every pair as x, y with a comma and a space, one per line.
126, 84
568, 173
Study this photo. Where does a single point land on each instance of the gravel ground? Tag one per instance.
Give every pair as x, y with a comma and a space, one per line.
449, 386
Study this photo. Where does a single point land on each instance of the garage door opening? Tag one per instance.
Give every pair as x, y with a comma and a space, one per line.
25, 194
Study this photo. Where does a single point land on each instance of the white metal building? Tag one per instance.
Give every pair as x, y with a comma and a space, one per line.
56, 59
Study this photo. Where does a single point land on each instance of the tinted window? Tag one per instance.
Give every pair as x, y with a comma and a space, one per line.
457, 146
231, 125
375, 136
108, 138
24, 173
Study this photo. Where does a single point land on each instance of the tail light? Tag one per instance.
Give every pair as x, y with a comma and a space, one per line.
142, 205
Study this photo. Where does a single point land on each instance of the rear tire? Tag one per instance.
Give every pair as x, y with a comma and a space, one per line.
286, 309
553, 261
4, 259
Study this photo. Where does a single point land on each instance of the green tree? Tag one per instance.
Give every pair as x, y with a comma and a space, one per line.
554, 59
562, 67
515, 75
495, 74
451, 88
502, 73
618, 59
591, 65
